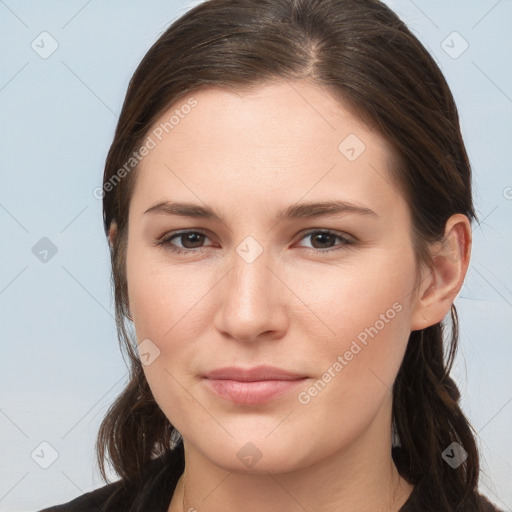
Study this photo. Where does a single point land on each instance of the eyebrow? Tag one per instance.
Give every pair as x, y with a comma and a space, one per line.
311, 210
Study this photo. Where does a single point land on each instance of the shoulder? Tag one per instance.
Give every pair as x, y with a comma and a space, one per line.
93, 501
152, 491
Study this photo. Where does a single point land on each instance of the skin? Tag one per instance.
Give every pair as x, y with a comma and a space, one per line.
249, 155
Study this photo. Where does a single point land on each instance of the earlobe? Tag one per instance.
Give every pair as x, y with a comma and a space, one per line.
112, 234
450, 261
112, 237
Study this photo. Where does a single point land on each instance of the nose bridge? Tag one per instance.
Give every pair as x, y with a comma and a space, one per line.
250, 275
249, 304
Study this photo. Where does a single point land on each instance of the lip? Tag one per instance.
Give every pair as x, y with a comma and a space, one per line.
255, 374
252, 386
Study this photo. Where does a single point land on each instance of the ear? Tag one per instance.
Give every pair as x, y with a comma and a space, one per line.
112, 234
442, 282
112, 237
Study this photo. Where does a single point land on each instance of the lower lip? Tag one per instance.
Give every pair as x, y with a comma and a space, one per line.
252, 393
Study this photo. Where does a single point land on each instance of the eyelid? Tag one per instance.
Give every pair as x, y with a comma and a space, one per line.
341, 234
167, 237
303, 233
348, 240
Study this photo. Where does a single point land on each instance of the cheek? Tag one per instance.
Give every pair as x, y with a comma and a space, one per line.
162, 297
357, 365
171, 308
166, 306
368, 313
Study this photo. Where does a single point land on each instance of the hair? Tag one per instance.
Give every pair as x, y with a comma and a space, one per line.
367, 58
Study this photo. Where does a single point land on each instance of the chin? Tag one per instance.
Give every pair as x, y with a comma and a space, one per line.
259, 456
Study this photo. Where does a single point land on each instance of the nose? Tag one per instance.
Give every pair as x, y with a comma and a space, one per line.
251, 302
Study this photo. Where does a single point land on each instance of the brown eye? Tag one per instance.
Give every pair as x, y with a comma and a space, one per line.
188, 242
325, 240
191, 240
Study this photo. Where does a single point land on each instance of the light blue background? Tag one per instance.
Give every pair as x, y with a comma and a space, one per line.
60, 363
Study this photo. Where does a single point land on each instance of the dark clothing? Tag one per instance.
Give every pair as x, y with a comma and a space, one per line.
154, 490
151, 493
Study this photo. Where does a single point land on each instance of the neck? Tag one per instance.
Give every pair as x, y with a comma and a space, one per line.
358, 478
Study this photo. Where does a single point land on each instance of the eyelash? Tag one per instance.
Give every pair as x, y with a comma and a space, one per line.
166, 241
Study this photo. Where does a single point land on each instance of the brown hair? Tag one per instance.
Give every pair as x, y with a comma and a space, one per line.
362, 52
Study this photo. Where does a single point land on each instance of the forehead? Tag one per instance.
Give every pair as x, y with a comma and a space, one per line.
274, 142
290, 112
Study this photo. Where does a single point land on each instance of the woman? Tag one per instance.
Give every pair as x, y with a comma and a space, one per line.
269, 374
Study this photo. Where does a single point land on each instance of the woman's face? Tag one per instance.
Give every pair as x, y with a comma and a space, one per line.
267, 278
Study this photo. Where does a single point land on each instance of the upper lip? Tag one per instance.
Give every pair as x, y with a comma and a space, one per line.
254, 374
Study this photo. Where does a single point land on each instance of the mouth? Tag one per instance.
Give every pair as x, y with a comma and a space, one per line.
252, 386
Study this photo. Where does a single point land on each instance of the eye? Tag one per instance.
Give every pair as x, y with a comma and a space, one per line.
190, 241
324, 240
